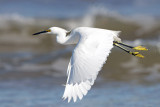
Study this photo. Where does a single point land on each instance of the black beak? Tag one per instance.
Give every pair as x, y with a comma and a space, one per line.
40, 32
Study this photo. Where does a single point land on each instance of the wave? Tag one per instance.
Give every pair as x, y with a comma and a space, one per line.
7, 19
87, 19
17, 29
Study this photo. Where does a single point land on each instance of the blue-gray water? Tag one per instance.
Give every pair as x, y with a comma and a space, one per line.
36, 80
46, 92
75, 8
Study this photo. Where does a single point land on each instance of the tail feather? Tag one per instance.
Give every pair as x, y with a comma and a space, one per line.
116, 36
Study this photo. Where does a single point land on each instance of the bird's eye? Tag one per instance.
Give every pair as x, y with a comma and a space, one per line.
48, 30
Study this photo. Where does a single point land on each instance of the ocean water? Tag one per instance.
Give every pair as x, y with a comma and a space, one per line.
74, 8
33, 68
45, 91
29, 80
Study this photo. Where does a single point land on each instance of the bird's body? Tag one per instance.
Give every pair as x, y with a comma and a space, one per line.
87, 59
91, 52
93, 47
73, 37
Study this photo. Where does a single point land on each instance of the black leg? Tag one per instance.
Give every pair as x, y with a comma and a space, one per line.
128, 51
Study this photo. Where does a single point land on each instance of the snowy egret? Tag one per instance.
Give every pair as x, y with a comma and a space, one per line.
93, 47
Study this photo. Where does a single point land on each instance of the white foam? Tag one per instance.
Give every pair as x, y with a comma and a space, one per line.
5, 19
146, 22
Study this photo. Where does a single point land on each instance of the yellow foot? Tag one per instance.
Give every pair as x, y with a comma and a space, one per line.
140, 48
140, 55
137, 54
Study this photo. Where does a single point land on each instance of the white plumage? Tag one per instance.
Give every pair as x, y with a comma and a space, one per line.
91, 52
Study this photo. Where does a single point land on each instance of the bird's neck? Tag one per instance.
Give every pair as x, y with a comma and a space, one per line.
62, 38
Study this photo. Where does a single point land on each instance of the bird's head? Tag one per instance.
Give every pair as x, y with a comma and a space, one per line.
51, 30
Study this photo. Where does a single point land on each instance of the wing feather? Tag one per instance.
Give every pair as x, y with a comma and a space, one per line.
79, 93
87, 60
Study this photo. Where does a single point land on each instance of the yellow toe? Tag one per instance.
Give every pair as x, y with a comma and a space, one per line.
140, 48
140, 55
137, 54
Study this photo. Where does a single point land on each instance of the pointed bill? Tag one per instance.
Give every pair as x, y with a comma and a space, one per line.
45, 31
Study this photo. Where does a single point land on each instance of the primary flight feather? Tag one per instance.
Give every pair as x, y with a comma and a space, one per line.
91, 52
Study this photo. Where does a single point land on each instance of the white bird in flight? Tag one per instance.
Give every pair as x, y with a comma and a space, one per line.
91, 52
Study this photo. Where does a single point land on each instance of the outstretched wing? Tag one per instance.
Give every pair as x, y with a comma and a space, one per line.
87, 60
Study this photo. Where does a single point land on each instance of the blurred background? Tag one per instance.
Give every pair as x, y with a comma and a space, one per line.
33, 68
